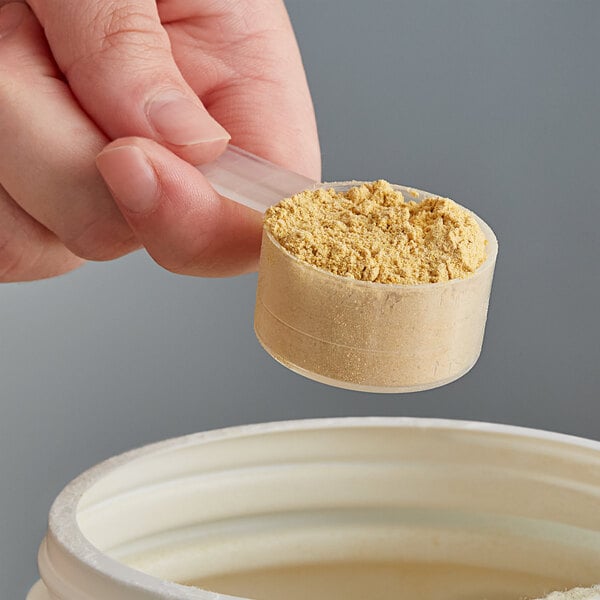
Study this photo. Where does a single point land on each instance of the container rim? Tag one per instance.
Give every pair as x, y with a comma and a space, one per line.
64, 530
488, 263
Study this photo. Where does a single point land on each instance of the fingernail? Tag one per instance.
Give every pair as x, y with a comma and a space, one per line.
130, 178
181, 121
11, 16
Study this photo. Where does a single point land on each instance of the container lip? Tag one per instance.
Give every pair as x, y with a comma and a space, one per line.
488, 263
65, 532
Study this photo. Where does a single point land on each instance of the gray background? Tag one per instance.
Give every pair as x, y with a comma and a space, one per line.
492, 103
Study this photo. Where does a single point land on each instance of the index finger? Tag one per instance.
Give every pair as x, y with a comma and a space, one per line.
117, 58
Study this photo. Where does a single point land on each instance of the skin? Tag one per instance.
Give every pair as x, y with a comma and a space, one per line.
106, 105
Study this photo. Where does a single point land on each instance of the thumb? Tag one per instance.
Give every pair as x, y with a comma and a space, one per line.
117, 59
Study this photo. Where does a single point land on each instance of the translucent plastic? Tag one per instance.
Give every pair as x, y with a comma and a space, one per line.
370, 336
336, 509
251, 180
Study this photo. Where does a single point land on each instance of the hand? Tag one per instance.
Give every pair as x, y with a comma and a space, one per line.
145, 89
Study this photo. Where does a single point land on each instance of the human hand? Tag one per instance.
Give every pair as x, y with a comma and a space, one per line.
147, 89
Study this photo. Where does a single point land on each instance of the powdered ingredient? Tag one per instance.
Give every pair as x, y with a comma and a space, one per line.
378, 337
371, 233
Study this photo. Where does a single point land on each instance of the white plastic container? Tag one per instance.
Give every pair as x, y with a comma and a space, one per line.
331, 509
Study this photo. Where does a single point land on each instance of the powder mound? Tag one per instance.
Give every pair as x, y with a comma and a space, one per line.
592, 593
371, 233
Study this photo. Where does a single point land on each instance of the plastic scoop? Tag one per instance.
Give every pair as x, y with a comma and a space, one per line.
368, 336
359, 335
251, 180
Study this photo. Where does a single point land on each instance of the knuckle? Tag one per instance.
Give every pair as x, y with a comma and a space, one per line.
173, 262
200, 264
115, 28
13, 246
33, 259
169, 263
115, 33
101, 241
13, 256
127, 27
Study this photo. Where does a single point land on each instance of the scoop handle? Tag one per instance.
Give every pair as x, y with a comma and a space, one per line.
251, 180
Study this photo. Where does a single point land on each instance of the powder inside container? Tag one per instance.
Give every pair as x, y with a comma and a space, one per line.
326, 312
371, 233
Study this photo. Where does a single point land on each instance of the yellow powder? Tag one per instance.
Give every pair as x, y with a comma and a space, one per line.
371, 233
344, 331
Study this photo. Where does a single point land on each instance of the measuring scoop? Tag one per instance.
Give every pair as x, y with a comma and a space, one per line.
251, 180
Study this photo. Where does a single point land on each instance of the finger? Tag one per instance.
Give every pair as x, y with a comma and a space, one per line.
118, 61
3, 2
48, 147
252, 81
28, 251
183, 223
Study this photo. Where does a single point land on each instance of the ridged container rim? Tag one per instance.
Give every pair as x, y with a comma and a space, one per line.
65, 532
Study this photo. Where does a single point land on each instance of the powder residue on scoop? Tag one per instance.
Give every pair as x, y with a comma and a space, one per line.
371, 233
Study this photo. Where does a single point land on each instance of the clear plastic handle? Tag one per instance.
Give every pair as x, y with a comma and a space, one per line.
252, 180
